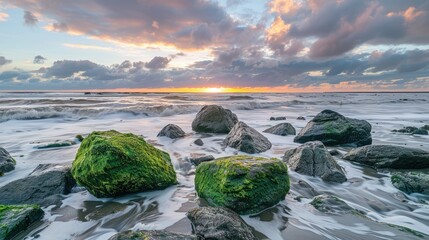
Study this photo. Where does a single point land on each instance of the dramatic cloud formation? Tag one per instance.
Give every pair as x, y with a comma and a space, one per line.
296, 43
39, 60
4, 61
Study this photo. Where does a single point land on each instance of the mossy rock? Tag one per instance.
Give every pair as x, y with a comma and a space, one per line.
111, 164
244, 184
411, 181
16, 218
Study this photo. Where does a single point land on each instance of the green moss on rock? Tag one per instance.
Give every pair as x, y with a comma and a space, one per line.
111, 164
16, 218
244, 184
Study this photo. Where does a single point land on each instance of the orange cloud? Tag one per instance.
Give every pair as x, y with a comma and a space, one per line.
284, 6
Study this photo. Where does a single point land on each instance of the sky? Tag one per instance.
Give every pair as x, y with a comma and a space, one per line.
215, 45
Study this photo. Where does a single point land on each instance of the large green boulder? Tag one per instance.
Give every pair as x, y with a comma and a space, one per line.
111, 164
16, 218
411, 181
244, 184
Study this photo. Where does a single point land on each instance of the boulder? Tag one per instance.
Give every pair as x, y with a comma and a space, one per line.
332, 129
7, 163
425, 127
111, 164
17, 218
331, 204
412, 130
199, 142
219, 223
214, 119
44, 186
421, 132
313, 159
282, 129
56, 144
246, 139
335, 152
172, 131
277, 118
198, 160
387, 156
411, 182
300, 118
152, 235
244, 184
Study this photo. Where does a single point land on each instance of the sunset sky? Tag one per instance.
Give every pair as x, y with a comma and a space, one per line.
224, 45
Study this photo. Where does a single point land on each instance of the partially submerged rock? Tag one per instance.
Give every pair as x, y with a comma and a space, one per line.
282, 129
44, 186
111, 164
172, 131
411, 182
214, 119
332, 129
152, 235
277, 118
244, 184
198, 160
17, 218
199, 142
412, 130
300, 118
56, 144
421, 132
331, 204
247, 139
312, 158
219, 223
7, 163
387, 156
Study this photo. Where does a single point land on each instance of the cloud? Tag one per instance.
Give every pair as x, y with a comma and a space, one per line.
39, 60
4, 61
185, 24
30, 19
157, 63
3, 16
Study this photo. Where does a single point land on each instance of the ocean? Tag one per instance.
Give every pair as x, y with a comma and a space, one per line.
31, 120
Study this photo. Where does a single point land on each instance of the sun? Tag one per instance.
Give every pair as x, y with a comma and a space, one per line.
214, 90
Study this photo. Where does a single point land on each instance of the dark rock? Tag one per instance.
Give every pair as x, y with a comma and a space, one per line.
214, 119
247, 139
219, 223
335, 152
43, 186
330, 204
87, 93
300, 118
79, 137
411, 182
332, 129
420, 132
305, 189
199, 142
312, 158
243, 97
386, 156
17, 218
282, 129
56, 144
409, 130
277, 118
152, 235
245, 184
425, 127
7, 163
172, 131
198, 160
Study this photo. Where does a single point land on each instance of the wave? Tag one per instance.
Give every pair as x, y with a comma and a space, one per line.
51, 101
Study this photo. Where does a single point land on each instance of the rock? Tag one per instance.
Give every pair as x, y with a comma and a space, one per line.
214, 119
420, 132
247, 139
332, 129
330, 204
277, 118
282, 129
199, 142
219, 223
111, 164
44, 186
411, 182
79, 138
335, 152
17, 218
172, 131
198, 160
56, 144
300, 118
386, 156
244, 184
151, 235
313, 159
7, 163
425, 127
240, 98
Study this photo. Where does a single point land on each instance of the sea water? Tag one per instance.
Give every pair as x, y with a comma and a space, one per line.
28, 120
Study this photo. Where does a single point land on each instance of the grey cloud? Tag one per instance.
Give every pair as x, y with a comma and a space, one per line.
39, 59
157, 63
30, 19
4, 61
